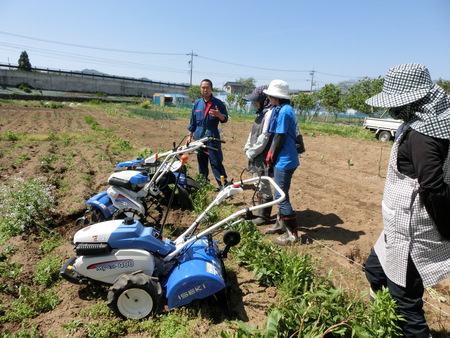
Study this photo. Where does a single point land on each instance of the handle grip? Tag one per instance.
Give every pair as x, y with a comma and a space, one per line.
212, 148
217, 140
184, 159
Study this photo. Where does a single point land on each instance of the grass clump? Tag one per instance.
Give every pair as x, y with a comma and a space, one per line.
29, 304
47, 271
25, 207
309, 305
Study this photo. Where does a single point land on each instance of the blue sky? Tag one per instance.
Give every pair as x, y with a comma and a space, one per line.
337, 39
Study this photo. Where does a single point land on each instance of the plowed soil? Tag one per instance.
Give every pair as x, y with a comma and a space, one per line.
336, 192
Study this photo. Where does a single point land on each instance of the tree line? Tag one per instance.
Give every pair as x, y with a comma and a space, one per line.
332, 98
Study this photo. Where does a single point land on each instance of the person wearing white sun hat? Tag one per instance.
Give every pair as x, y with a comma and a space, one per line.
413, 250
283, 157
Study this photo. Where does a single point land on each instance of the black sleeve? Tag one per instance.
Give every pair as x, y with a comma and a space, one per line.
277, 145
428, 155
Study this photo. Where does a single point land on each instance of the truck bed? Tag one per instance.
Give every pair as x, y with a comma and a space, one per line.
381, 124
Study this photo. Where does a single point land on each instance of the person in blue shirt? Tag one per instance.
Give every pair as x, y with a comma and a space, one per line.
206, 114
283, 156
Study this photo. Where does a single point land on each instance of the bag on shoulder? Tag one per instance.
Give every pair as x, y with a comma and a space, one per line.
299, 144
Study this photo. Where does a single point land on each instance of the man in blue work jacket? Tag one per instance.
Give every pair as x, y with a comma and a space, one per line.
207, 112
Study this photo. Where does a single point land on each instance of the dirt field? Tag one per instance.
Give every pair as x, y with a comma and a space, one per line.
336, 191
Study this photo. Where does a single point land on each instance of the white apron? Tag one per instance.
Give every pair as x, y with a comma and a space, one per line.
408, 229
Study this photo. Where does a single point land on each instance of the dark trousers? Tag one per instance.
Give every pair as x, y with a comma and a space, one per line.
215, 158
409, 298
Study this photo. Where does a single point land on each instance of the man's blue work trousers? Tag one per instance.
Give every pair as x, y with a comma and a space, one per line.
215, 158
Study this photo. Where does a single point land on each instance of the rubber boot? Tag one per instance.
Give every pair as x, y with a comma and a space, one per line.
263, 215
278, 228
291, 235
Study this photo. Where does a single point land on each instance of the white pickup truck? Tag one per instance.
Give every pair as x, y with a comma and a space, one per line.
384, 128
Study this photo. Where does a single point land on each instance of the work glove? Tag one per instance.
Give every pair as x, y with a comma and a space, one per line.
270, 161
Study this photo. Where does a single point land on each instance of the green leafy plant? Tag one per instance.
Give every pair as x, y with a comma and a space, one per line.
202, 198
309, 305
22, 158
52, 136
153, 114
8, 268
106, 328
72, 326
48, 244
92, 122
26, 207
48, 161
10, 136
144, 153
29, 304
145, 104
25, 87
47, 271
86, 178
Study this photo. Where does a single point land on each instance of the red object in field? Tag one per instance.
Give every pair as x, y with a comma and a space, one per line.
184, 159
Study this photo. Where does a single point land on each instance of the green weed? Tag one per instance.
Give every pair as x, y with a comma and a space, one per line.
86, 178
202, 198
72, 326
28, 330
106, 328
29, 304
52, 136
309, 305
47, 271
92, 122
48, 244
22, 158
153, 114
26, 207
8, 268
48, 161
10, 136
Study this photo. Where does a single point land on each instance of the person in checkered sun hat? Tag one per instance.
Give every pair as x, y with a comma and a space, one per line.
413, 250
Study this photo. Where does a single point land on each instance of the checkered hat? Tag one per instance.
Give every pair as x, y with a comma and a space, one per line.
403, 84
257, 95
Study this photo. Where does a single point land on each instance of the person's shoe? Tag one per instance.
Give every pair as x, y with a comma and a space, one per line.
291, 235
278, 228
289, 238
263, 215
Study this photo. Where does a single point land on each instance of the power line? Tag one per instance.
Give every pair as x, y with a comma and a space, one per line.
89, 47
86, 58
130, 64
254, 67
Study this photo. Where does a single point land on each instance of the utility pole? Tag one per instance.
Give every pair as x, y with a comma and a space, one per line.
312, 79
191, 65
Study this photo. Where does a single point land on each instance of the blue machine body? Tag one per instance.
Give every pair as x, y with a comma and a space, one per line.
198, 274
137, 162
102, 202
137, 236
139, 179
182, 181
